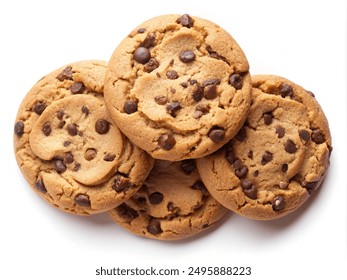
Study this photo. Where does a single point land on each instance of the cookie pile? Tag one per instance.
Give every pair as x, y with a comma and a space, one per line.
171, 134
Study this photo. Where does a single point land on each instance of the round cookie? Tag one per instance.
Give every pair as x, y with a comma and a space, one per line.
178, 87
172, 204
277, 159
67, 147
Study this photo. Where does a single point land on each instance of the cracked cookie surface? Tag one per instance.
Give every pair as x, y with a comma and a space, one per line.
178, 87
68, 148
277, 159
172, 204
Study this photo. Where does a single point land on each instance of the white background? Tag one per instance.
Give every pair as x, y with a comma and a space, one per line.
304, 41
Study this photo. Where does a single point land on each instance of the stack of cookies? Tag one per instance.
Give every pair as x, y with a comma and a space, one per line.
171, 134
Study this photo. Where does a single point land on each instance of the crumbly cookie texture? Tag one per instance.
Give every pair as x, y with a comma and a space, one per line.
178, 87
277, 159
68, 148
172, 204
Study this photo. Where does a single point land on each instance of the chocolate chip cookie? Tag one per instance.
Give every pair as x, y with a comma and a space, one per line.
68, 148
277, 159
178, 87
172, 204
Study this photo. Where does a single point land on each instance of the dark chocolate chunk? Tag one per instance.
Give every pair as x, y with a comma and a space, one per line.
241, 134
241, 171
127, 212
121, 183
210, 92
249, 189
280, 131
166, 141
90, 154
60, 114
102, 126
188, 166
173, 108
85, 110
172, 75
60, 167
47, 129
199, 185
268, 118
284, 167
77, 88
66, 74
286, 90
278, 203
184, 84
154, 227
72, 129
156, 198
236, 81
217, 134
109, 157
187, 56
61, 124
317, 136
19, 128
82, 200
142, 55
290, 147
197, 91
148, 42
40, 186
267, 157
68, 158
160, 99
304, 135
151, 65
130, 106
186, 21
39, 107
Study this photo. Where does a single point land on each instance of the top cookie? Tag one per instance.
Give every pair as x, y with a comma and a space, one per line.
178, 87
278, 157
68, 148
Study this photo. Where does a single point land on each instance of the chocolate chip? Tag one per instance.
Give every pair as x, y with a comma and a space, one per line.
200, 110
311, 186
68, 158
290, 147
60, 114
173, 90
154, 227
77, 88
284, 167
66, 74
184, 84
77, 167
121, 183
141, 30
170, 206
280, 131
142, 55
60, 167
156, 198
283, 185
127, 212
72, 129
317, 136
47, 129
256, 173
90, 154
85, 110
286, 90
66, 143
151, 65
160, 99
61, 124
266, 158
185, 21
130, 106
250, 154
215, 54
39, 107
236, 81
40, 186
19, 128
217, 134
311, 93
210, 82
187, 56
172, 75
197, 92
109, 157
166, 141
267, 118
192, 81
278, 203
82, 200
304, 135
149, 41
210, 92
199, 185
229, 154
173, 108
102, 126
249, 189
188, 166
241, 171
241, 134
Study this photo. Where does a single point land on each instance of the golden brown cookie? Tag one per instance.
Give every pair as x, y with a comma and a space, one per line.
178, 87
172, 204
67, 147
279, 156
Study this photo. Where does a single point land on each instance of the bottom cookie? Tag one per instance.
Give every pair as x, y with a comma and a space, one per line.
172, 204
